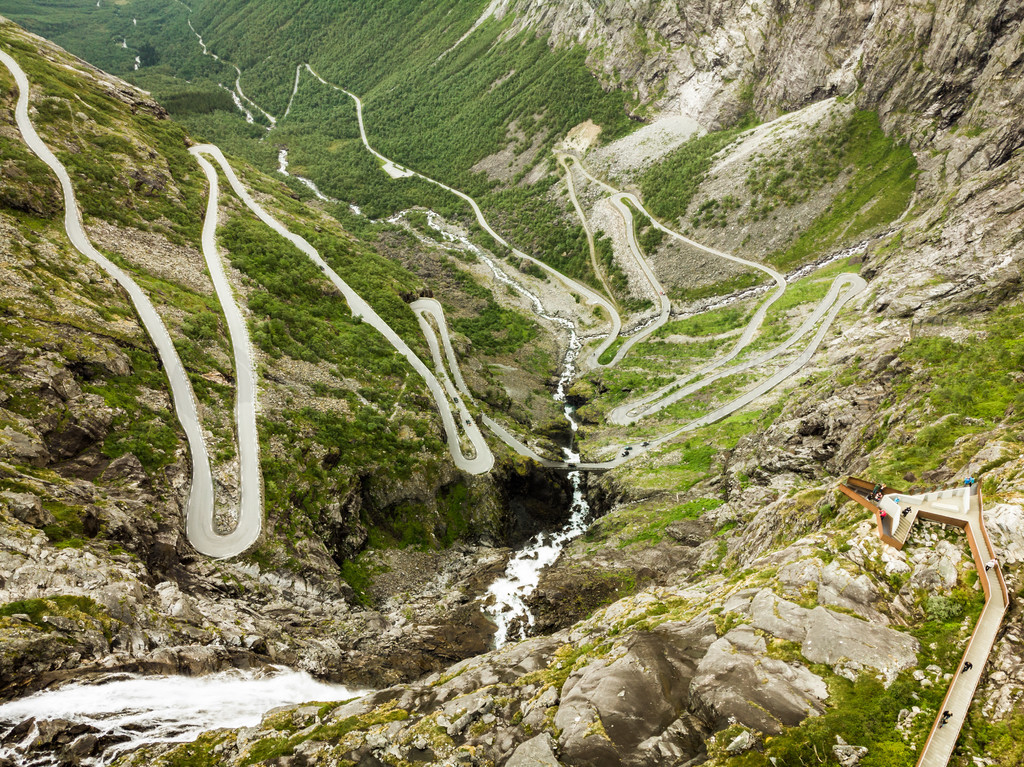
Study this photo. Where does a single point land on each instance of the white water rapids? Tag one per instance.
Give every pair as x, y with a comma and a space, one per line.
522, 574
505, 598
175, 709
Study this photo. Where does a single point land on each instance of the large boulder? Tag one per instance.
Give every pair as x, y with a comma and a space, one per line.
1005, 523
737, 681
24, 446
27, 508
846, 643
536, 752
834, 585
610, 707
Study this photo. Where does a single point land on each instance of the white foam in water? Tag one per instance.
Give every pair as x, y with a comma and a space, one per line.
167, 708
282, 168
522, 574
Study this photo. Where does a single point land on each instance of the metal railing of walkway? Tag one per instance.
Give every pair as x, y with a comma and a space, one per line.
963, 508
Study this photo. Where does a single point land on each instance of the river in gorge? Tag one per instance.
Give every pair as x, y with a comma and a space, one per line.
505, 599
130, 711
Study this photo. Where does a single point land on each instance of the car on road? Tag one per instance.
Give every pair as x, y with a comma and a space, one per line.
645, 443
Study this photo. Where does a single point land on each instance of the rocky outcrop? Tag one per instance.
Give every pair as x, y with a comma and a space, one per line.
737, 681
27, 508
609, 708
924, 68
536, 752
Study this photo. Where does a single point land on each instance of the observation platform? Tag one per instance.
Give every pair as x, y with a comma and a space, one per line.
962, 508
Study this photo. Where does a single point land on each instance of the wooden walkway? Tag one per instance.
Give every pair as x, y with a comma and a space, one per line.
959, 507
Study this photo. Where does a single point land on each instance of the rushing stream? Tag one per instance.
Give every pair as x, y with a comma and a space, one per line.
522, 574
159, 709
506, 597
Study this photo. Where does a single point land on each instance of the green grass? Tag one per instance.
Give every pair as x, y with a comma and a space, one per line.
778, 323
884, 174
954, 382
737, 282
63, 605
438, 114
609, 354
1002, 742
706, 324
658, 520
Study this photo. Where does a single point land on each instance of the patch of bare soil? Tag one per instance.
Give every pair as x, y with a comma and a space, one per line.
508, 163
626, 158
682, 267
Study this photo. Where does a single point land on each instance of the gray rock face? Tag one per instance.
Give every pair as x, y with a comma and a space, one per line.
847, 755
834, 586
27, 508
737, 681
608, 709
127, 468
689, 532
842, 641
536, 752
24, 446
710, 49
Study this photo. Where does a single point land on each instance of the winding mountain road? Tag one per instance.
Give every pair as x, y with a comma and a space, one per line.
844, 289
200, 526
483, 460
445, 388
620, 197
570, 183
396, 170
664, 304
201, 496
630, 412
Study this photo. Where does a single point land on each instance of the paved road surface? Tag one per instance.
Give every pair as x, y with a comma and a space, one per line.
590, 296
570, 182
755, 321
200, 510
201, 494
842, 291
663, 303
199, 525
631, 412
854, 284
483, 460
426, 309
